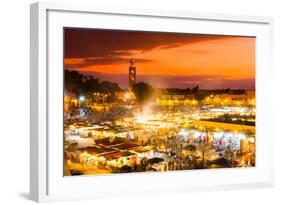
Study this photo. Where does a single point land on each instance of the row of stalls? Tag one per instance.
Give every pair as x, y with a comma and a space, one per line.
118, 155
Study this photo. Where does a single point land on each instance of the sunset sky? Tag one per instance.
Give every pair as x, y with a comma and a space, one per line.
162, 59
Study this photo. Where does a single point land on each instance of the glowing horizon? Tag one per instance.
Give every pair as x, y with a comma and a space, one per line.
210, 61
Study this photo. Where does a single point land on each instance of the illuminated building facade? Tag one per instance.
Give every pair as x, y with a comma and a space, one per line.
70, 101
246, 99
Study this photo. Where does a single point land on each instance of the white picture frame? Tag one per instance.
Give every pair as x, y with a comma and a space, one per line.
46, 178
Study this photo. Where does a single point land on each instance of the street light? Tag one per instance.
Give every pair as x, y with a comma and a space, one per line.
81, 98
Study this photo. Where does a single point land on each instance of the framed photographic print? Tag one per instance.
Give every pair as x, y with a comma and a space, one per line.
129, 102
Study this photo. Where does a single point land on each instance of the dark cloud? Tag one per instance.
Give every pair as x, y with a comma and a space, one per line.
102, 61
85, 43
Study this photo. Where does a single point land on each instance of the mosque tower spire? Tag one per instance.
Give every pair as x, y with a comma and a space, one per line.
132, 73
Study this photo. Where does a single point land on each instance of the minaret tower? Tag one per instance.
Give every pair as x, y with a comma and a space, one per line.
132, 73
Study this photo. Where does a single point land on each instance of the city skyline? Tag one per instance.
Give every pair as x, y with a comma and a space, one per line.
139, 101
162, 59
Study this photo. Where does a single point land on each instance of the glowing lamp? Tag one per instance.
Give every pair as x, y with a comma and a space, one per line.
81, 98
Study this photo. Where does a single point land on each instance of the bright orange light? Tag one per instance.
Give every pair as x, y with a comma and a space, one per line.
234, 57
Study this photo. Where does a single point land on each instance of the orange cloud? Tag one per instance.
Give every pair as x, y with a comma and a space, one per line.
231, 56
